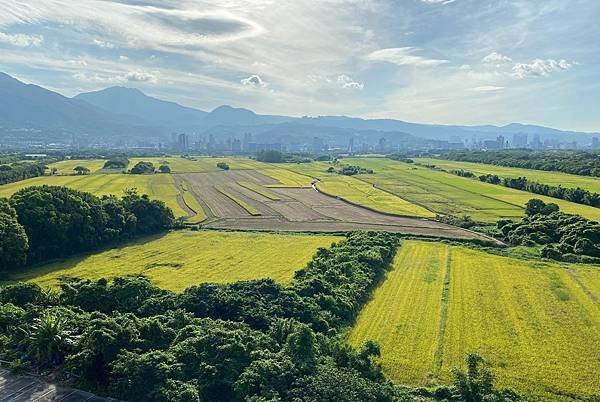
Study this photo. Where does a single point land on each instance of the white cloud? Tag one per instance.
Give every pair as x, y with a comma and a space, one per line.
496, 58
140, 76
123, 58
403, 56
104, 44
488, 88
132, 76
348, 83
254, 81
21, 40
539, 68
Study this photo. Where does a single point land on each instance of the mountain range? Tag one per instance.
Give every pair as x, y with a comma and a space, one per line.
118, 114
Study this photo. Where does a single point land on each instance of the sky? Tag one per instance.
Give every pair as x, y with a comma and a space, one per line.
431, 61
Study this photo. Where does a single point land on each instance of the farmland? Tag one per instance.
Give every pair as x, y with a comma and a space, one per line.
184, 258
161, 187
538, 324
445, 193
551, 178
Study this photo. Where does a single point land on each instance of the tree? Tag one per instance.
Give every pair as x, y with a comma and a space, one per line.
81, 170
48, 339
269, 156
143, 168
13, 239
58, 220
223, 166
164, 169
534, 206
475, 383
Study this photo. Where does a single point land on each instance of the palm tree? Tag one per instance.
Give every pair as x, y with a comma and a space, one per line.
48, 339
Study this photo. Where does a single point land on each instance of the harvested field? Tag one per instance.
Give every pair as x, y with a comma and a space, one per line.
297, 209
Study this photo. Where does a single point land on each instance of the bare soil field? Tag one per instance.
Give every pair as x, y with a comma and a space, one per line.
298, 209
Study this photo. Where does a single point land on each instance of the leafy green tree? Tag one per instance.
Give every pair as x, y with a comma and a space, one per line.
13, 239
81, 170
59, 221
164, 169
143, 167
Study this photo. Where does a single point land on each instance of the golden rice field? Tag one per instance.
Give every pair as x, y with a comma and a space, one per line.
66, 167
551, 178
198, 164
181, 259
536, 323
365, 194
157, 186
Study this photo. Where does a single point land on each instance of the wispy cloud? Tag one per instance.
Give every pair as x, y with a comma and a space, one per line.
403, 56
104, 44
488, 88
496, 58
21, 40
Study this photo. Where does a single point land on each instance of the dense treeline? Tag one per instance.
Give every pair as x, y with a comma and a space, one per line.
117, 162
575, 162
43, 222
249, 341
576, 195
21, 171
564, 237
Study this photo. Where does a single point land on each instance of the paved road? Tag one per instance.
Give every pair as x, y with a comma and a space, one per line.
28, 388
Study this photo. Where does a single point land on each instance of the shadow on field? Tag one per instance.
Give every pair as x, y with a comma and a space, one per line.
63, 264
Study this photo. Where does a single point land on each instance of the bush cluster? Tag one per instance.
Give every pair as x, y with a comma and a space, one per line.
564, 237
39, 223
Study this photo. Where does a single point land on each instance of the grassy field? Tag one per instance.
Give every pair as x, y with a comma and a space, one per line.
157, 186
538, 324
199, 164
184, 258
446, 193
66, 167
551, 178
286, 178
363, 193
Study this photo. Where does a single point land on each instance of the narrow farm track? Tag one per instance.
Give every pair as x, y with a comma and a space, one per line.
300, 209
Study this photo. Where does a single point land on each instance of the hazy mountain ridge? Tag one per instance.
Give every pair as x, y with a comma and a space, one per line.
129, 113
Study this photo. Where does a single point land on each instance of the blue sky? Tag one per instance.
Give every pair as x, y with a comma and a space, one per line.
435, 61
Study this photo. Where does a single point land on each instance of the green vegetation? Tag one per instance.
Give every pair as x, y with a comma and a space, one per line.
555, 179
17, 172
158, 187
66, 167
448, 194
567, 192
574, 162
244, 341
223, 166
181, 259
59, 222
143, 167
259, 190
537, 324
116, 163
565, 237
249, 208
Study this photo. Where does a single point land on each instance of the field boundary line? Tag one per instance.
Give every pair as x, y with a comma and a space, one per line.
439, 350
586, 290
